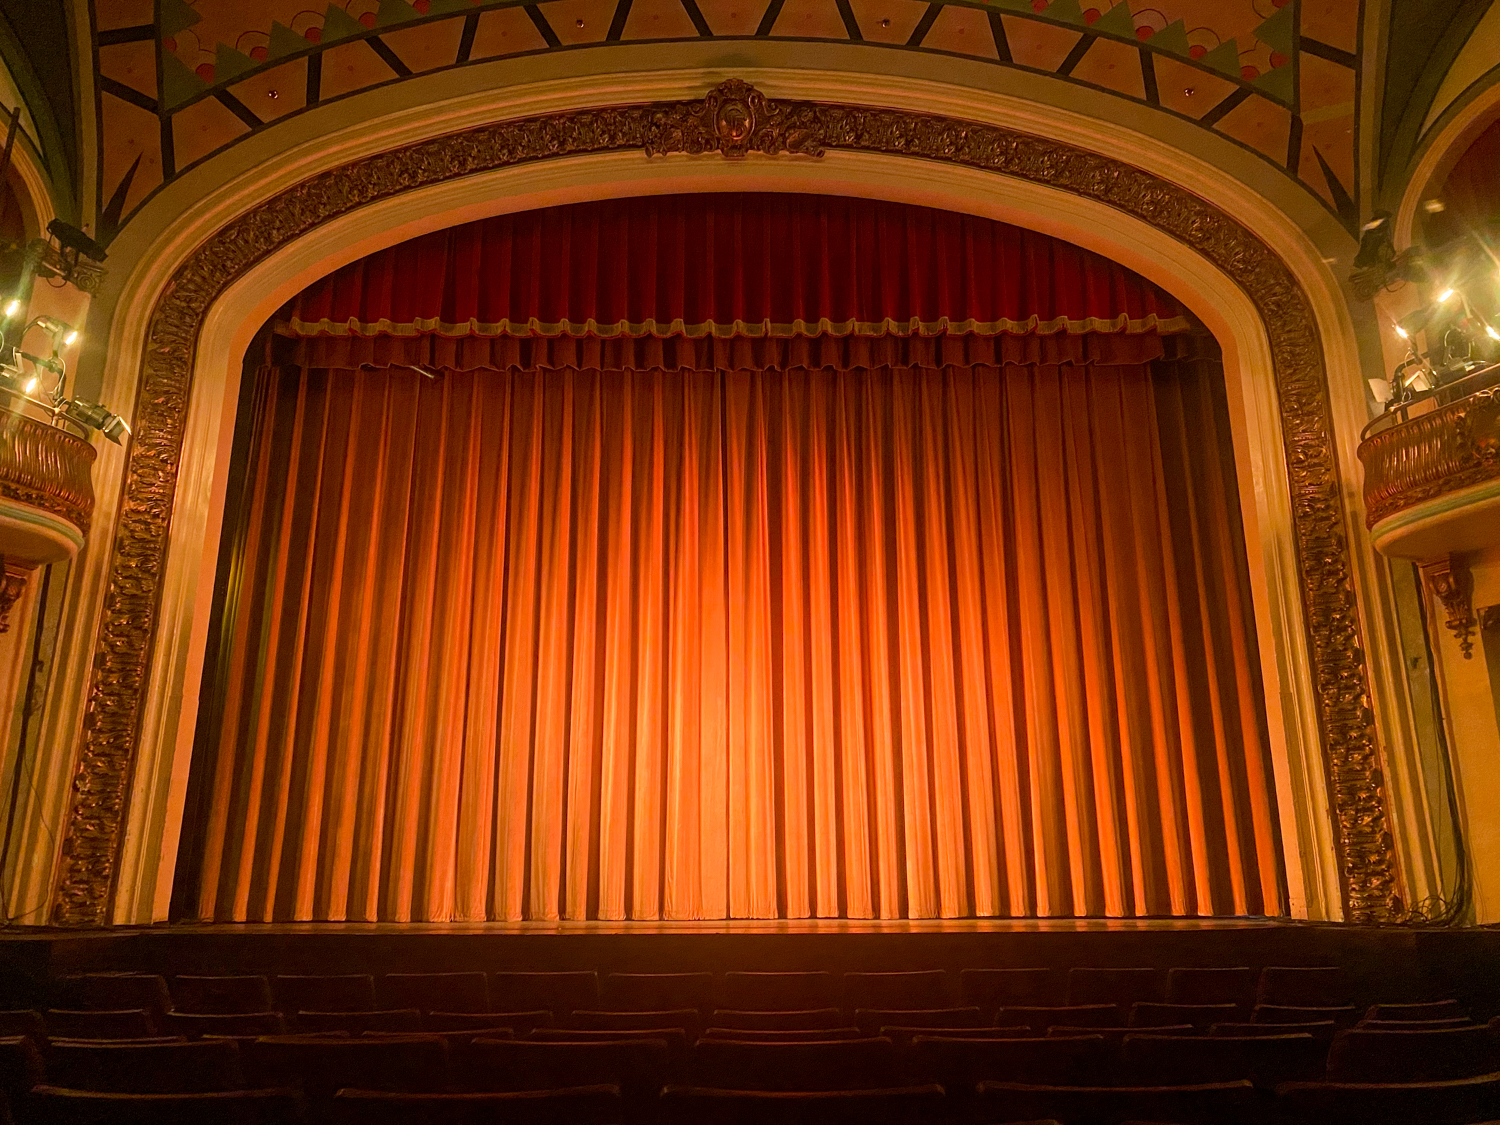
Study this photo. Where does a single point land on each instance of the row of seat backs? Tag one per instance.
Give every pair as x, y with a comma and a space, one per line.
645, 1063
141, 1022
567, 991
1449, 1103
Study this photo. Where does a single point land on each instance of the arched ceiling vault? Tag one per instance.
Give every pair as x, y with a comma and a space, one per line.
182, 80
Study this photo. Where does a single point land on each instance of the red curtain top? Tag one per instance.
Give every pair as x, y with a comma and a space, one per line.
732, 266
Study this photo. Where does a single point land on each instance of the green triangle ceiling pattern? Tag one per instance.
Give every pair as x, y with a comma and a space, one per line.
176, 15
215, 50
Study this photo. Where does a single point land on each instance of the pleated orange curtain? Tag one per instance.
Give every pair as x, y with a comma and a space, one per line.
889, 642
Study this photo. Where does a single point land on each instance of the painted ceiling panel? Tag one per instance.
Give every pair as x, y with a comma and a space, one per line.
1112, 66
1040, 46
890, 21
1261, 125
1187, 90
579, 21
428, 47
274, 93
964, 31
505, 32
658, 19
1233, 65
202, 128
810, 19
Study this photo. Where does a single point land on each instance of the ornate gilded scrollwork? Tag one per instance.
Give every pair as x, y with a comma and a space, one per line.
733, 119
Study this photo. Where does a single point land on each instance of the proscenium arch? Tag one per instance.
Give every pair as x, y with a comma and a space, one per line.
140, 719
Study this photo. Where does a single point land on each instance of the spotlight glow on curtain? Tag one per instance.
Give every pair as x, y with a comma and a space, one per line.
901, 642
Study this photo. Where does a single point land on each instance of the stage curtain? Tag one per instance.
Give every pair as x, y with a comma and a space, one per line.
895, 643
730, 266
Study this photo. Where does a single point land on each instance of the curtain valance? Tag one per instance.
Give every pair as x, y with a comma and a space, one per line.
726, 267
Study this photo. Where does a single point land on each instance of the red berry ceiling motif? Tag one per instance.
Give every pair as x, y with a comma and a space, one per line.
1277, 77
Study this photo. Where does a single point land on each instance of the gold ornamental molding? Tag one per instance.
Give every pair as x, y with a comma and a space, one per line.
1451, 448
732, 120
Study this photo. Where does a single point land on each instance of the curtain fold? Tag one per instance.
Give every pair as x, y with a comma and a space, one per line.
900, 642
731, 266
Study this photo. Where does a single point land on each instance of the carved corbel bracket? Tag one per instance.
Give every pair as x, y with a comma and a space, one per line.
1451, 583
13, 578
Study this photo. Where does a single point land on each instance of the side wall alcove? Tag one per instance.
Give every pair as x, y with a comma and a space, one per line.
1152, 208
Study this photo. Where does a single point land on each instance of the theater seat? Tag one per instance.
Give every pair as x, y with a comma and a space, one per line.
1300, 986
114, 992
1113, 986
1361, 1055
960, 1064
556, 992
910, 991
521, 1023
1455, 1102
1148, 1014
909, 1105
222, 994
195, 1025
656, 992
582, 1105
637, 1066
687, 1019
1217, 1103
793, 1020
407, 1020
1212, 986
1116, 1035
1323, 1032
903, 1036
1423, 1012
776, 992
57, 1106
340, 992
129, 1023
871, 1021
674, 1037
794, 1035
992, 989
23, 1021
187, 1067
1265, 1060
851, 1064
20, 1069
321, 1066
1290, 1013
434, 992
1039, 1019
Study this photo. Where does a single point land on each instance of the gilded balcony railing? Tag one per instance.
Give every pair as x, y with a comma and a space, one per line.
1443, 442
45, 465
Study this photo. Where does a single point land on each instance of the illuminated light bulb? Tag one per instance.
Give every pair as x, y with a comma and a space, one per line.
1490, 331
31, 385
1444, 295
1402, 333
13, 308
70, 339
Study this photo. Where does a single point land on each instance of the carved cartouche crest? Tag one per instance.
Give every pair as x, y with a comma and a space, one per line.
734, 118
